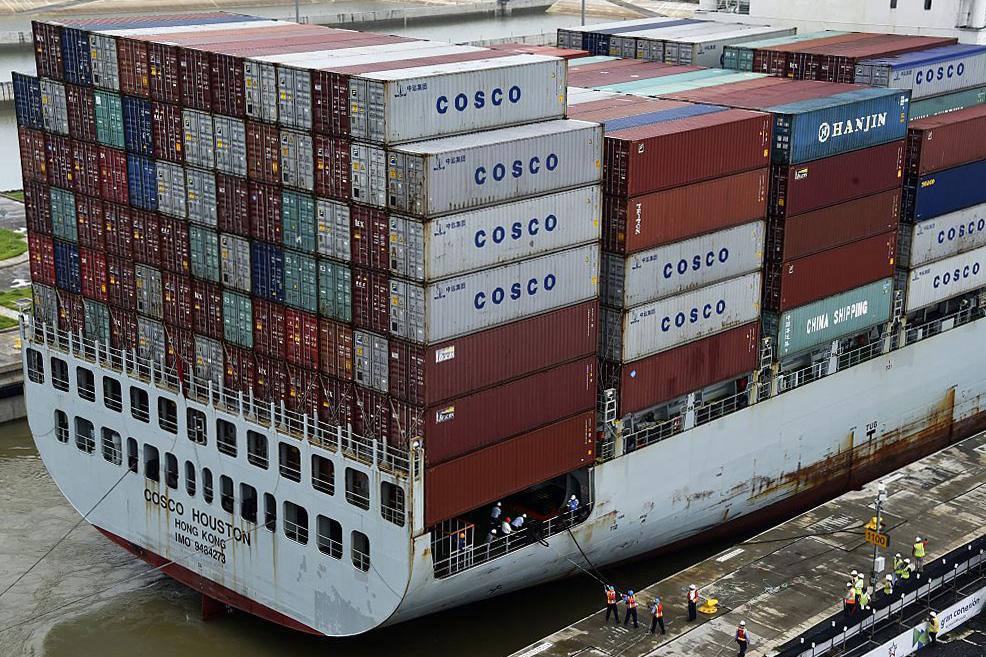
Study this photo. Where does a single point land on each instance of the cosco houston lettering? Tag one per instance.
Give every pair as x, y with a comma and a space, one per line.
321, 299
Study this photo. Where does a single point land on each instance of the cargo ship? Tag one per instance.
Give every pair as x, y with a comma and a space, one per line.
311, 307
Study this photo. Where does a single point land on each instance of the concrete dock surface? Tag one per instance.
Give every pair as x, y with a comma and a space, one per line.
786, 580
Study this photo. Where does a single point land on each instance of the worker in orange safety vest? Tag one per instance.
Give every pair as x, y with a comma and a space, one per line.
692, 602
611, 607
741, 638
657, 613
631, 601
849, 602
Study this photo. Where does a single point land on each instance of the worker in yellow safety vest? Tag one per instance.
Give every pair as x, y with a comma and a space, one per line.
905, 570
888, 585
934, 627
918, 552
611, 607
898, 562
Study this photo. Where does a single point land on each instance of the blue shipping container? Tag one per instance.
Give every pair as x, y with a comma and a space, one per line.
137, 126
27, 101
142, 182
597, 41
267, 265
68, 274
947, 191
821, 127
77, 56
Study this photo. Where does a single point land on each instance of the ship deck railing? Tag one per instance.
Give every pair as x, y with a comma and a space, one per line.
325, 435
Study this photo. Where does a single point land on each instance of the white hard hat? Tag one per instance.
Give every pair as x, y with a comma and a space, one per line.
917, 539
692, 587
499, 503
897, 555
890, 578
573, 497
933, 614
848, 585
907, 561
854, 573
742, 623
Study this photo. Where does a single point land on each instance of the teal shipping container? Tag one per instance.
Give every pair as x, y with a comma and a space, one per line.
97, 321
298, 224
109, 119
63, 221
300, 281
238, 319
953, 102
204, 247
335, 290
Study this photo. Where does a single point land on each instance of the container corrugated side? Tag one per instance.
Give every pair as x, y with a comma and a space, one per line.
682, 266
661, 325
847, 313
929, 72
944, 279
836, 225
489, 237
945, 236
447, 175
953, 102
946, 191
463, 484
947, 141
471, 302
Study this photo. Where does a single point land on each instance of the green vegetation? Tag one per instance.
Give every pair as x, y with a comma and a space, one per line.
12, 244
8, 298
16, 194
7, 323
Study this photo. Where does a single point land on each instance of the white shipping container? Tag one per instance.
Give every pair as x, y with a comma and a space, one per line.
263, 28
687, 265
706, 49
578, 95
54, 110
928, 72
484, 299
488, 237
440, 176
105, 69
385, 52
947, 235
404, 105
937, 281
662, 325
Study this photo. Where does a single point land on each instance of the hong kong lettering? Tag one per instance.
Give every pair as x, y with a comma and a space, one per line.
478, 100
515, 231
866, 123
693, 316
514, 292
517, 169
203, 533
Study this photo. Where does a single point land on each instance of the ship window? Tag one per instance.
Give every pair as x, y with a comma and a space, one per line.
270, 512
196, 425
151, 463
112, 446
295, 522
290, 462
357, 488
927, 5
329, 537
893, 4
226, 493
190, 478
207, 485
61, 426
226, 437
139, 406
257, 449
323, 475
59, 374
35, 366
85, 435
112, 394
170, 470
361, 550
248, 502
167, 414
392, 503
132, 459
87, 383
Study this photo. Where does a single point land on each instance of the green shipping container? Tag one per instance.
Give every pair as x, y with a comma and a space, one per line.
298, 229
109, 119
946, 103
238, 319
204, 247
63, 224
335, 291
300, 281
836, 317
97, 322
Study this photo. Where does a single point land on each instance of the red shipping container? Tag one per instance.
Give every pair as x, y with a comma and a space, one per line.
493, 415
645, 383
774, 61
674, 153
371, 413
176, 293
301, 338
85, 162
207, 309
71, 312
167, 133
42, 253
797, 282
268, 328
196, 82
81, 107
833, 180
371, 300
335, 402
91, 222
942, 142
120, 279
37, 207
134, 69
830, 227
58, 161
226, 76
644, 222
147, 238
239, 370
548, 51
487, 475
265, 212
303, 391
123, 330
164, 73
370, 238
428, 375
837, 63
113, 175
33, 154
92, 265
119, 230
335, 344
175, 248
180, 351
232, 205
263, 148
48, 50
333, 167
270, 384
